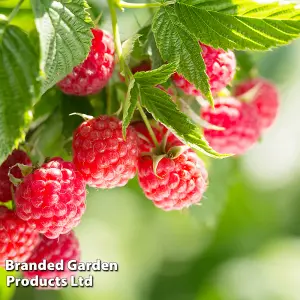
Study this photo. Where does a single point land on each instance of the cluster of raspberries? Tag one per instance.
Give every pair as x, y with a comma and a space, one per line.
50, 201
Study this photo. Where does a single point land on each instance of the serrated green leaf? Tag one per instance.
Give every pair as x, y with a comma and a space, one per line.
177, 44
130, 104
164, 110
239, 24
157, 76
128, 45
65, 36
19, 86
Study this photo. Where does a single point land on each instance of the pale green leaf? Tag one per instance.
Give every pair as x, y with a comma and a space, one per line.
19, 87
128, 46
65, 36
164, 110
239, 24
177, 44
157, 76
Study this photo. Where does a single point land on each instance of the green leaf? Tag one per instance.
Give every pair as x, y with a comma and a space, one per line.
156, 76
128, 46
130, 104
177, 44
65, 36
241, 25
19, 86
164, 110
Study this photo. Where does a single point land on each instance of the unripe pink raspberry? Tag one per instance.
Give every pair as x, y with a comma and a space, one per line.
6, 186
93, 74
265, 99
177, 182
17, 238
65, 248
52, 198
220, 69
239, 121
101, 155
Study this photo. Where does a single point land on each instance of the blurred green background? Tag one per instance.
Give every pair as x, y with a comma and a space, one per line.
242, 243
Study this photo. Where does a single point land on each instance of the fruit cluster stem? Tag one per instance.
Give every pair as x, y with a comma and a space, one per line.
146, 121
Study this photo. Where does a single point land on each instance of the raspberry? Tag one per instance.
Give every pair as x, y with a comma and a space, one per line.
17, 238
93, 74
240, 123
64, 248
220, 69
178, 183
17, 156
52, 198
103, 157
265, 99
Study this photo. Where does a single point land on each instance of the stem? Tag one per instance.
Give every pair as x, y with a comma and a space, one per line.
115, 28
15, 11
139, 5
118, 46
108, 99
146, 121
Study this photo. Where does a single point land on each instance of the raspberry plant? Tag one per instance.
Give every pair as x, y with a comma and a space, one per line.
148, 103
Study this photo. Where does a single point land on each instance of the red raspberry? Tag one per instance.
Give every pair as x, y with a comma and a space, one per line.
17, 156
178, 182
17, 238
93, 74
220, 69
103, 157
65, 248
240, 123
265, 99
52, 198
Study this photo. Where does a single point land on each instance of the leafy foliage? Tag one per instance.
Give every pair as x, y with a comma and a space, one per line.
65, 36
240, 25
177, 44
19, 87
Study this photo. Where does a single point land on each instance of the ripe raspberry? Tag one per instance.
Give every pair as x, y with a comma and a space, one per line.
17, 238
52, 198
65, 248
93, 74
178, 182
102, 156
220, 69
240, 123
265, 99
17, 156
